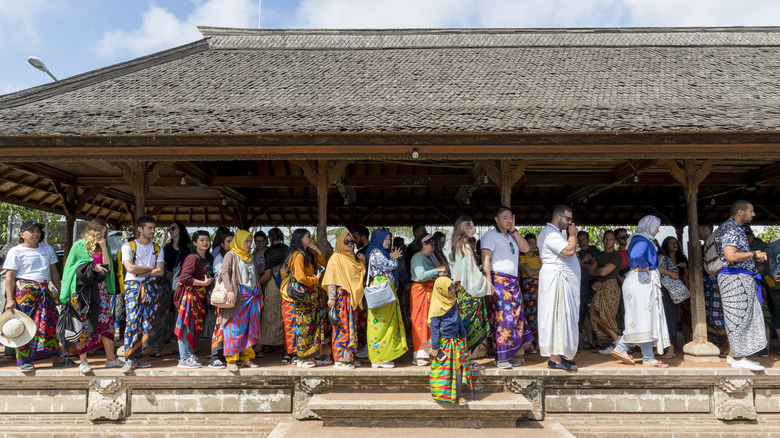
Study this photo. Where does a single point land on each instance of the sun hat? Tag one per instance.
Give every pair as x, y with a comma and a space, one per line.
16, 329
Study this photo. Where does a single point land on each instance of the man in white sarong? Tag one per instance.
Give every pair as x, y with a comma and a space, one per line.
559, 291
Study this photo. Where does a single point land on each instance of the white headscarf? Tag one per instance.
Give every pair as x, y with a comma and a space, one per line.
647, 228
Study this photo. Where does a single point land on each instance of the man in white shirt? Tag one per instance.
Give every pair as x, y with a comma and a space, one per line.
559, 291
501, 248
142, 266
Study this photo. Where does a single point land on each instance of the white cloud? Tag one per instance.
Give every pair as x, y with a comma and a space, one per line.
19, 21
533, 13
160, 29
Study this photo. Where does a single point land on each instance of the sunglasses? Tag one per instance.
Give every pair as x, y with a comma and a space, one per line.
349, 242
512, 247
568, 218
622, 237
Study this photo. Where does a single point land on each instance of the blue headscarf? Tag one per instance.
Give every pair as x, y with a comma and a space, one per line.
376, 242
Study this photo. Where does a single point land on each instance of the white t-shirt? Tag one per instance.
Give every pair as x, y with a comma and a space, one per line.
506, 254
31, 263
144, 256
551, 243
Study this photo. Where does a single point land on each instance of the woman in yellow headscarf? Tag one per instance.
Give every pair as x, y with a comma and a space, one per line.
450, 357
239, 326
344, 281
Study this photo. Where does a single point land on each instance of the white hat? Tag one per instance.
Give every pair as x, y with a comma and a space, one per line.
16, 329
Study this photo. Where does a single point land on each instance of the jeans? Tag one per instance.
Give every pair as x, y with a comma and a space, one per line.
185, 349
647, 350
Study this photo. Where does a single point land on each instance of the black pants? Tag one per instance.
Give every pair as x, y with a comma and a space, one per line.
670, 311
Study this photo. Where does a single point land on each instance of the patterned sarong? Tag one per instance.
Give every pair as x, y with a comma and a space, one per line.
715, 325
105, 325
140, 308
271, 324
507, 320
37, 302
288, 325
604, 308
217, 339
344, 336
386, 335
308, 323
443, 379
420, 302
742, 313
474, 314
530, 288
242, 330
192, 312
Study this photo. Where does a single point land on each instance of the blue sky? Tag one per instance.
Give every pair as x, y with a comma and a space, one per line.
76, 36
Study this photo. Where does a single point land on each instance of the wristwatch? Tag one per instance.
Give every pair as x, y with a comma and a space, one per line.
755, 256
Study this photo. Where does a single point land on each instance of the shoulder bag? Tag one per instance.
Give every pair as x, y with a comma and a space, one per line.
675, 287
294, 289
219, 295
378, 295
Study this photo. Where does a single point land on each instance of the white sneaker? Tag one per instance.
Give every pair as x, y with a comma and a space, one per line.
84, 368
747, 364
362, 353
607, 350
729, 360
383, 365
116, 363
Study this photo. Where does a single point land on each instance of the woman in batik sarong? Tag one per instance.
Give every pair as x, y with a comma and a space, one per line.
344, 280
307, 313
30, 266
239, 326
386, 335
530, 265
644, 320
424, 273
88, 282
189, 298
450, 369
471, 286
606, 293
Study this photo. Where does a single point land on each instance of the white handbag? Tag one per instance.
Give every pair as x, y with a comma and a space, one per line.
378, 295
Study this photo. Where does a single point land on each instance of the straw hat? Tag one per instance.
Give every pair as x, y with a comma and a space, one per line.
16, 329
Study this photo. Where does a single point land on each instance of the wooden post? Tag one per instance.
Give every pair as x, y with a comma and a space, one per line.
504, 177
322, 205
140, 179
699, 349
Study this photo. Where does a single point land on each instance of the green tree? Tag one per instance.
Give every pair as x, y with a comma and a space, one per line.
50, 221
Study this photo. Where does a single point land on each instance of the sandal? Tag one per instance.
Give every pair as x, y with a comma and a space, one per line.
286, 359
250, 364
232, 367
462, 401
476, 366
27, 368
623, 357
655, 364
668, 356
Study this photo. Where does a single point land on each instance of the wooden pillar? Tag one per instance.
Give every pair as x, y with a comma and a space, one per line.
504, 177
70, 221
699, 349
140, 177
322, 205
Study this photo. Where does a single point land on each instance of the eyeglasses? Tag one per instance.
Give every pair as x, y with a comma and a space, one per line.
349, 242
568, 218
622, 237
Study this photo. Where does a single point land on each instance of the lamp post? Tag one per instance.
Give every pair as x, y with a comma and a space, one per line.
37, 63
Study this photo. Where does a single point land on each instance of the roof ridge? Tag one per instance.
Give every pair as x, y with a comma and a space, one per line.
368, 39
99, 75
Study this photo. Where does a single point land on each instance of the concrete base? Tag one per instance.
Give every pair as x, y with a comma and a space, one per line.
701, 352
418, 409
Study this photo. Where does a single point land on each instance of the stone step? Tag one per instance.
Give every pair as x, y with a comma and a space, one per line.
418, 409
657, 426
316, 429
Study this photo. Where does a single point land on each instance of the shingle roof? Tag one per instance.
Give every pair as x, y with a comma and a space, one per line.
578, 80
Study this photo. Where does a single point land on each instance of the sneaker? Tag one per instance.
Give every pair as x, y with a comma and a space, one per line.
323, 360
729, 360
516, 362
504, 364
306, 363
343, 366
747, 364
116, 363
128, 366
607, 350
84, 368
216, 364
357, 364
383, 365
189, 362
141, 364
763, 353
362, 353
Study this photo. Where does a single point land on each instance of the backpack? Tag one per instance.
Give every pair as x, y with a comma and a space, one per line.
120, 267
712, 262
773, 258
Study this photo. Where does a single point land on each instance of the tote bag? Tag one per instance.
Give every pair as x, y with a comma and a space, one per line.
378, 295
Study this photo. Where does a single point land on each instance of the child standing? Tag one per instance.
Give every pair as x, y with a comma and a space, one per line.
450, 365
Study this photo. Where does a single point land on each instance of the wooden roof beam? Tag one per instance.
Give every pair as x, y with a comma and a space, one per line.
616, 177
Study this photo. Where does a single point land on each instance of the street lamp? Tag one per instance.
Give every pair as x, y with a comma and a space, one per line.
37, 63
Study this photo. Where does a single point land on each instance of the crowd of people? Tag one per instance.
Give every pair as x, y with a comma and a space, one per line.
368, 297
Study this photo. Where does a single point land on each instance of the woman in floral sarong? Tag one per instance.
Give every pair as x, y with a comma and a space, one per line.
30, 266
471, 286
88, 283
450, 368
386, 335
239, 326
344, 280
190, 299
307, 313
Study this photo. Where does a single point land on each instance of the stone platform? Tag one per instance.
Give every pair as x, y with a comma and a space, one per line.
163, 400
